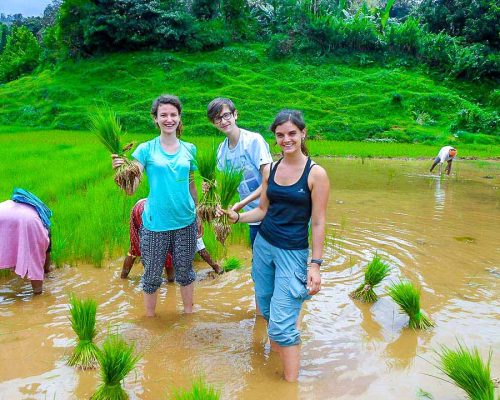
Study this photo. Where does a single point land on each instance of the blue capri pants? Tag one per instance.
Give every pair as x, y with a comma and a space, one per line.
280, 278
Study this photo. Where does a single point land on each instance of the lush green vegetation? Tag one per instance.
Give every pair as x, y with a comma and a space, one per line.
340, 100
382, 71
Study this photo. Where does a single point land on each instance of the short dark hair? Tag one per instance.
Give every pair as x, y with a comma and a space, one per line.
296, 118
215, 107
168, 99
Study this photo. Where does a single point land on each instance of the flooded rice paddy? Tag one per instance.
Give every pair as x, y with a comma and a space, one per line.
440, 233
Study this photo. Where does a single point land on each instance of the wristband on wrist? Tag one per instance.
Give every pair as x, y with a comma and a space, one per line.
237, 219
318, 261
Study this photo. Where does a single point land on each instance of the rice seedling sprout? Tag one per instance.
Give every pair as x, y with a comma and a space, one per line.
375, 272
229, 180
106, 126
407, 296
207, 166
116, 359
83, 318
468, 371
231, 263
200, 390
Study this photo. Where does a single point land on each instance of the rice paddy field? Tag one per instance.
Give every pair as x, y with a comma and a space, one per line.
440, 233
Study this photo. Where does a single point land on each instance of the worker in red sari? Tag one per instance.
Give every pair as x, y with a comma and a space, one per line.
135, 251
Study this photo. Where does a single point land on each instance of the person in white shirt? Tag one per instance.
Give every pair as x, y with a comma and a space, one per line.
446, 154
241, 149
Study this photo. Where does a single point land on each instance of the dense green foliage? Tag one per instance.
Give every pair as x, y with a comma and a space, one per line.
4, 32
477, 21
458, 37
347, 99
20, 55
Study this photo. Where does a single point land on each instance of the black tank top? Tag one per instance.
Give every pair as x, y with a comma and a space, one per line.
287, 219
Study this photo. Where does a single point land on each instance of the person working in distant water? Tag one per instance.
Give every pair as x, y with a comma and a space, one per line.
25, 237
135, 251
448, 154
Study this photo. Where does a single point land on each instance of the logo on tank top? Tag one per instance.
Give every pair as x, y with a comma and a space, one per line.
301, 190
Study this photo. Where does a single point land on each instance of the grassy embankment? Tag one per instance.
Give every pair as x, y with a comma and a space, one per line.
340, 100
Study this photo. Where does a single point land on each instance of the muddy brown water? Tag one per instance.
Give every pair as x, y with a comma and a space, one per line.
440, 233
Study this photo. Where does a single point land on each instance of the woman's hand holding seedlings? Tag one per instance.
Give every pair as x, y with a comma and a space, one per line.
117, 161
232, 215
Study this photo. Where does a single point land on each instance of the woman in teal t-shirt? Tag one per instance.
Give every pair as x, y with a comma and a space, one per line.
169, 217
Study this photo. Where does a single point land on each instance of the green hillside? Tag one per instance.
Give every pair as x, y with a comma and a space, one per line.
342, 100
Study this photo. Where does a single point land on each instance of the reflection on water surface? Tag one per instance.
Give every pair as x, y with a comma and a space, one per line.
439, 232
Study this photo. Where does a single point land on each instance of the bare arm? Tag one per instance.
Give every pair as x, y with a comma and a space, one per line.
252, 196
194, 195
320, 190
257, 214
448, 167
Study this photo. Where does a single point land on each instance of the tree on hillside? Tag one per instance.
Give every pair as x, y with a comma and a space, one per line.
237, 16
478, 21
50, 13
70, 31
21, 54
205, 9
130, 25
4, 33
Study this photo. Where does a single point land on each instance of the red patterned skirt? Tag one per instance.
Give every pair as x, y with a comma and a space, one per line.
135, 227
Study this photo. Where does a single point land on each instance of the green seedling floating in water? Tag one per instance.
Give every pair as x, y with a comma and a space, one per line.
106, 126
231, 263
468, 371
116, 359
407, 297
375, 272
200, 390
83, 318
207, 166
229, 180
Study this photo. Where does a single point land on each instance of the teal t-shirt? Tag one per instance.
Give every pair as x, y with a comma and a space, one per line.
170, 205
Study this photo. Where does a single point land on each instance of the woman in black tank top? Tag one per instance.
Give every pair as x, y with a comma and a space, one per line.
294, 193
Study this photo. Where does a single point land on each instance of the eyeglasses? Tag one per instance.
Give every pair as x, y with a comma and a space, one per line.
226, 117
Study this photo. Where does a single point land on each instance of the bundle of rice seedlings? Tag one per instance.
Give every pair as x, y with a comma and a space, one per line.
375, 272
116, 359
200, 390
83, 317
468, 371
407, 297
229, 180
106, 126
207, 166
231, 263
